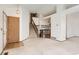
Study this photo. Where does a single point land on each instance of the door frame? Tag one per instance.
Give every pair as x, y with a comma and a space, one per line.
3, 29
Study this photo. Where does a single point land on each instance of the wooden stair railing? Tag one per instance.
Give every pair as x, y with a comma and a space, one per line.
35, 27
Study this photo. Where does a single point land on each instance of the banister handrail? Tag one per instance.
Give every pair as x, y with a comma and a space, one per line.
35, 27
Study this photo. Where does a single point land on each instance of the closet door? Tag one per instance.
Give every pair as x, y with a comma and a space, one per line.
13, 29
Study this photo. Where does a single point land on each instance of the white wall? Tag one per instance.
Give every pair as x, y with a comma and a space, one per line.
9, 9
73, 24
60, 23
24, 23
53, 26
58, 26
1, 32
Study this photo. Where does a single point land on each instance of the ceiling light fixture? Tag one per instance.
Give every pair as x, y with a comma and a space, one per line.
17, 10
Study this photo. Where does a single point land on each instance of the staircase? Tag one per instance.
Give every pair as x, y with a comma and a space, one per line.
39, 30
35, 27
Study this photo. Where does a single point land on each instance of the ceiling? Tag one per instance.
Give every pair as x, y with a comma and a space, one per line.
44, 9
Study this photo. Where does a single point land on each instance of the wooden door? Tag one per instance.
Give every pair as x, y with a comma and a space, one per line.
13, 29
